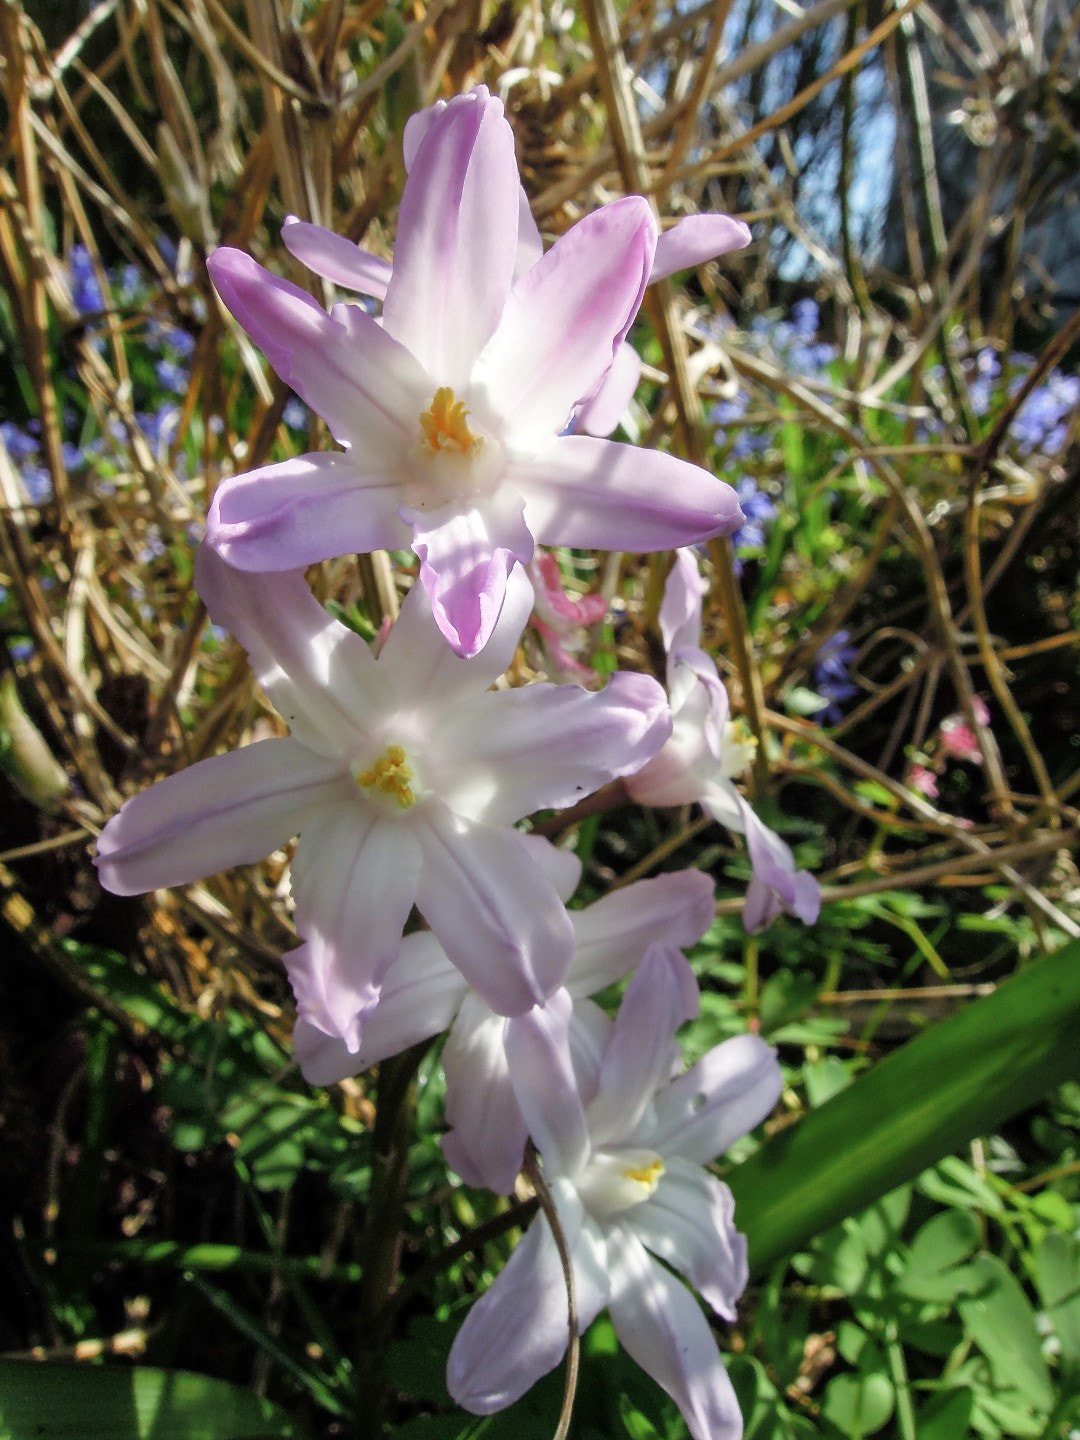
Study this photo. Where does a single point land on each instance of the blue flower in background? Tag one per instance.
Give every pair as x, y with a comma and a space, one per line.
832, 675
759, 511
295, 413
85, 289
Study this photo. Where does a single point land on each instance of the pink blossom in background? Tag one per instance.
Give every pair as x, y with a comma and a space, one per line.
624, 1147
705, 752
924, 781
561, 622
403, 776
424, 994
450, 410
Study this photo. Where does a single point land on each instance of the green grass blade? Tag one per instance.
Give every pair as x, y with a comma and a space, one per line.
957, 1080
77, 1402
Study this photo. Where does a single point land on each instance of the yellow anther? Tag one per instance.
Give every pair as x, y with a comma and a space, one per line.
390, 776
648, 1174
445, 427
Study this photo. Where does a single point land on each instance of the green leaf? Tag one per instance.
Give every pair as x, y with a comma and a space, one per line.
936, 1267
75, 1402
946, 1415
1057, 1273
858, 1404
1001, 1321
958, 1079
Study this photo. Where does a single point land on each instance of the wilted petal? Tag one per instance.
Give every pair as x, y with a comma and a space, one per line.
602, 495
456, 237
418, 999
493, 910
639, 1055
335, 258
320, 675
354, 879
689, 1223
614, 933
542, 1073
695, 239
565, 317
724, 1096
230, 810
661, 1327
601, 414
294, 513
519, 1329
465, 558
487, 1138
547, 746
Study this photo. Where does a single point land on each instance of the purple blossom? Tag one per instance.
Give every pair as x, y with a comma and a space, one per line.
85, 287
403, 776
450, 411
624, 1148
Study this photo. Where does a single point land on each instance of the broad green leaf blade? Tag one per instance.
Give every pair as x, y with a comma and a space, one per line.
956, 1080
83, 1402
1001, 1321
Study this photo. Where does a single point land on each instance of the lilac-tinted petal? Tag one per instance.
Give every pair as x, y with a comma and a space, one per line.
689, 761
638, 1058
542, 1074
335, 258
465, 558
562, 867
519, 1329
367, 387
729, 1091
422, 665
565, 317
776, 885
695, 239
493, 909
487, 1138
530, 246
724, 803
601, 495
320, 675
680, 609
614, 933
689, 1223
590, 1031
418, 999
456, 238
297, 512
354, 879
230, 810
601, 414
546, 746
661, 1327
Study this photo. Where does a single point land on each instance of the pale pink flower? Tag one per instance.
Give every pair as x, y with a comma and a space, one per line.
624, 1147
424, 994
450, 410
561, 622
923, 780
404, 776
704, 754
958, 740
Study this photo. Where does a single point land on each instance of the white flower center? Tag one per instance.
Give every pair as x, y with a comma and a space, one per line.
737, 749
451, 460
390, 778
616, 1180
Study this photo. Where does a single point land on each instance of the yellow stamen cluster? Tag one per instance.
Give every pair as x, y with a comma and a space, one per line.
390, 776
444, 425
648, 1174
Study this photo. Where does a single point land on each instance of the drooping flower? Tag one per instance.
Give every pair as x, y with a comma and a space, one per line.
450, 409
403, 776
705, 753
424, 994
623, 1149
